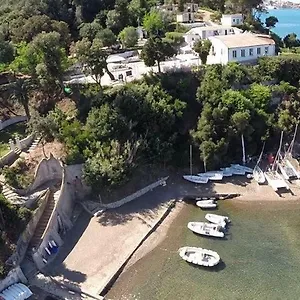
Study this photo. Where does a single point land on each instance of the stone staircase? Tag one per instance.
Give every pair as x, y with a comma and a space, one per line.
11, 195
34, 144
43, 222
18, 151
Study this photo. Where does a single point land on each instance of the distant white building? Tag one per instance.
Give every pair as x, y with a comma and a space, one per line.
245, 47
232, 20
205, 32
188, 14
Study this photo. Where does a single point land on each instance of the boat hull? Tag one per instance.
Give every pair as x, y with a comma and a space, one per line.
195, 179
206, 204
206, 229
217, 219
259, 175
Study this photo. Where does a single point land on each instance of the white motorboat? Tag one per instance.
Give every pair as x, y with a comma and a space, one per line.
212, 175
240, 167
259, 175
207, 229
206, 204
196, 179
199, 256
217, 219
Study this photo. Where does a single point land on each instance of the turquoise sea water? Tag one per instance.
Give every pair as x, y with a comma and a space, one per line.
261, 258
289, 21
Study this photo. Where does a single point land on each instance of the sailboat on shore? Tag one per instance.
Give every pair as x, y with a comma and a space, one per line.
272, 176
291, 162
258, 174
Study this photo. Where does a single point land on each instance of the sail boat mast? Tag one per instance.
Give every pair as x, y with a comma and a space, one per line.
290, 149
278, 153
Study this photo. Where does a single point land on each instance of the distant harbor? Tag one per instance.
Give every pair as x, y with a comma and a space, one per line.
288, 21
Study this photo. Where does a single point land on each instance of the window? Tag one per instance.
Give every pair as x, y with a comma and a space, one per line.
251, 52
258, 51
266, 50
234, 53
233, 20
243, 53
237, 21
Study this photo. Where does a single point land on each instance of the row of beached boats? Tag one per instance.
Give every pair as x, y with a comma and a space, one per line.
284, 168
234, 169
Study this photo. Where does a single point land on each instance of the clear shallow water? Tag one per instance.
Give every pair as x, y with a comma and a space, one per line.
288, 21
261, 258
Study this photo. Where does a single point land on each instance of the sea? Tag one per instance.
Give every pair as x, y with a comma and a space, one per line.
288, 21
260, 258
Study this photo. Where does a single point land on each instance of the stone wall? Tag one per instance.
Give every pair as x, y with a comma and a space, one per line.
14, 276
26, 142
28, 233
11, 121
136, 194
47, 170
8, 158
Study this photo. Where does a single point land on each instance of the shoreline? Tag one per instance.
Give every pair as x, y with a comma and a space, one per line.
250, 192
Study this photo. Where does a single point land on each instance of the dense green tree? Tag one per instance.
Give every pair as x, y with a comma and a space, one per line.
155, 23
137, 10
118, 18
291, 40
93, 58
20, 92
107, 37
52, 57
6, 52
202, 47
155, 51
128, 37
176, 38
89, 30
271, 22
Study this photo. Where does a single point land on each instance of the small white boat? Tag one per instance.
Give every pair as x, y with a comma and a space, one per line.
207, 229
199, 256
259, 175
195, 179
217, 219
227, 172
235, 171
206, 204
212, 175
287, 170
244, 168
276, 181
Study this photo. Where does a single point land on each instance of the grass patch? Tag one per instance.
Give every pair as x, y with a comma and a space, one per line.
10, 132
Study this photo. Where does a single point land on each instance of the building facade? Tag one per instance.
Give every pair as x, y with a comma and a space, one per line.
232, 20
188, 14
205, 32
243, 48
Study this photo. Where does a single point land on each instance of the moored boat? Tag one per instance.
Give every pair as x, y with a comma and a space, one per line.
199, 256
196, 179
206, 204
217, 219
244, 168
207, 229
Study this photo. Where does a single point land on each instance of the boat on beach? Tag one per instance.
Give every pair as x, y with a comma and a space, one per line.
227, 172
196, 179
240, 167
212, 175
287, 170
206, 204
258, 174
217, 219
207, 229
199, 256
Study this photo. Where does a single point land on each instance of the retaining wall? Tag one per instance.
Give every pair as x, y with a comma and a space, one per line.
8, 158
13, 120
136, 194
14, 276
24, 239
60, 221
47, 170
26, 142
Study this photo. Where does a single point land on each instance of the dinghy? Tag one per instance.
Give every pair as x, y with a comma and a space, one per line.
217, 219
235, 171
196, 179
199, 256
206, 204
227, 172
212, 175
259, 175
244, 168
207, 229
